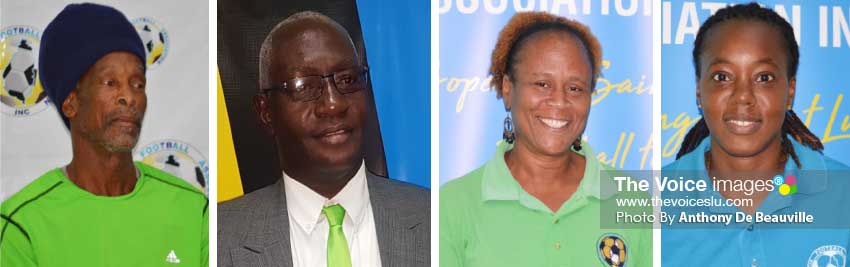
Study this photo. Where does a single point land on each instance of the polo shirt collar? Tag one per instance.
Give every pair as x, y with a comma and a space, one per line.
809, 160
499, 184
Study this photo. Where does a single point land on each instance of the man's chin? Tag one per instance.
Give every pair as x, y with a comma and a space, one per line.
337, 162
120, 145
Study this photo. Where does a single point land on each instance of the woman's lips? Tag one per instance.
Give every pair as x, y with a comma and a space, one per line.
742, 126
553, 123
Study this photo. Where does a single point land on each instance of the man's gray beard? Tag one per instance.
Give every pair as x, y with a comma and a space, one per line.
108, 146
119, 149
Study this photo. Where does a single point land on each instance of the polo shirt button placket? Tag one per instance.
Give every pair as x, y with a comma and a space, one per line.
750, 227
755, 263
558, 245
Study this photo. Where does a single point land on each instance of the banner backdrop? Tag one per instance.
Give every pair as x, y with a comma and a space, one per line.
175, 131
397, 35
620, 123
822, 29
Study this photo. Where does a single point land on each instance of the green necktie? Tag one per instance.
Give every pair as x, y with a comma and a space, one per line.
337, 246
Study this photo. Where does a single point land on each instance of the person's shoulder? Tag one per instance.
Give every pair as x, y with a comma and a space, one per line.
459, 193
250, 201
465, 185
238, 215
397, 191
33, 191
839, 180
167, 180
672, 166
835, 165
232, 214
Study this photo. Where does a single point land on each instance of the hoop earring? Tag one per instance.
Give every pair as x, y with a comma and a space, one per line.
508, 132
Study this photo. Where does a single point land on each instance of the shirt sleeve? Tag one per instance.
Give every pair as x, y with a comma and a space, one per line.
451, 252
205, 240
15, 246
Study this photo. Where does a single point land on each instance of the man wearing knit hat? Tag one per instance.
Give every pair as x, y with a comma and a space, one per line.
101, 209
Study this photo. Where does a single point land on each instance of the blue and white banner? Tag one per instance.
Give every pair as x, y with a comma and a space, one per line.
822, 102
620, 124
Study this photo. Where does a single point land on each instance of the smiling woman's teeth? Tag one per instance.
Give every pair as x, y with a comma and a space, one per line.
554, 123
741, 123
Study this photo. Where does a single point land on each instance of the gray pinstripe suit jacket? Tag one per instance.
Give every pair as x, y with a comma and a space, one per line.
253, 230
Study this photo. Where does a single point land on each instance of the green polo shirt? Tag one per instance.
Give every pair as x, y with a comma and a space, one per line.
53, 222
487, 219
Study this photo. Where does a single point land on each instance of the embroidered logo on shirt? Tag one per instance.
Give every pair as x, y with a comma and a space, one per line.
612, 250
172, 257
828, 256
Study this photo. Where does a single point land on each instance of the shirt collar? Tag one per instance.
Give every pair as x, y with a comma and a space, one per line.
810, 159
305, 205
499, 184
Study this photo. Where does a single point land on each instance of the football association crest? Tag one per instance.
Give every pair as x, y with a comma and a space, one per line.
21, 93
612, 250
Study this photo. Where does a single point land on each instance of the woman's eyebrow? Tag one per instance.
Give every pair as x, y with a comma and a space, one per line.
765, 60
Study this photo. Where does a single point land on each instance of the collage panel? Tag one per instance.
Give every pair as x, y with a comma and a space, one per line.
328, 110
536, 102
751, 111
368, 133
104, 157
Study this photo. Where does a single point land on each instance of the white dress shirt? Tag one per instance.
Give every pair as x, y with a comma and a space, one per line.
308, 226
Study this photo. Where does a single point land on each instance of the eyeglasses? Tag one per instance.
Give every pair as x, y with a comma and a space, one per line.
310, 88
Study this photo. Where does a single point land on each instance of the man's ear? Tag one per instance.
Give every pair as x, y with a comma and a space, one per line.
507, 89
261, 108
71, 105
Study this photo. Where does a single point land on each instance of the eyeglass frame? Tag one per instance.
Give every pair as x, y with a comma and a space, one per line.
283, 87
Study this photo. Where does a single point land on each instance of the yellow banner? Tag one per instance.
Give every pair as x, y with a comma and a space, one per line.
229, 181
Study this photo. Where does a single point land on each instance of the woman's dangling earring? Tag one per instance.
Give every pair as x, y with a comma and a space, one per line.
508, 131
577, 144
699, 108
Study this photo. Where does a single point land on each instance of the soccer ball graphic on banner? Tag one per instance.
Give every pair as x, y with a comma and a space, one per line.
19, 75
19, 72
155, 40
177, 158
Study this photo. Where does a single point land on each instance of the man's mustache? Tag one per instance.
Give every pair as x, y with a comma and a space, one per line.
126, 114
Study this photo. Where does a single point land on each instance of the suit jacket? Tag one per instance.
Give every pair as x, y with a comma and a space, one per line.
253, 230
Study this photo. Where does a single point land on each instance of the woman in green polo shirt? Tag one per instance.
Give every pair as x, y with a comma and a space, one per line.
536, 202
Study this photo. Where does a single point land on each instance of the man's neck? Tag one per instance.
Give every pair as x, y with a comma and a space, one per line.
102, 172
324, 182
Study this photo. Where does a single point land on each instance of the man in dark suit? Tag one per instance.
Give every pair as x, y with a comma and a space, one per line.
326, 210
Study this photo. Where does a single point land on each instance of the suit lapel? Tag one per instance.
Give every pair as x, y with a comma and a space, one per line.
266, 242
393, 224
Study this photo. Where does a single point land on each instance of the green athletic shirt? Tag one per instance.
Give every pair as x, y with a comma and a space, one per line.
488, 219
52, 222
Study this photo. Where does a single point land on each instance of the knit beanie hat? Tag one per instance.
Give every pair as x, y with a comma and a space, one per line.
77, 38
